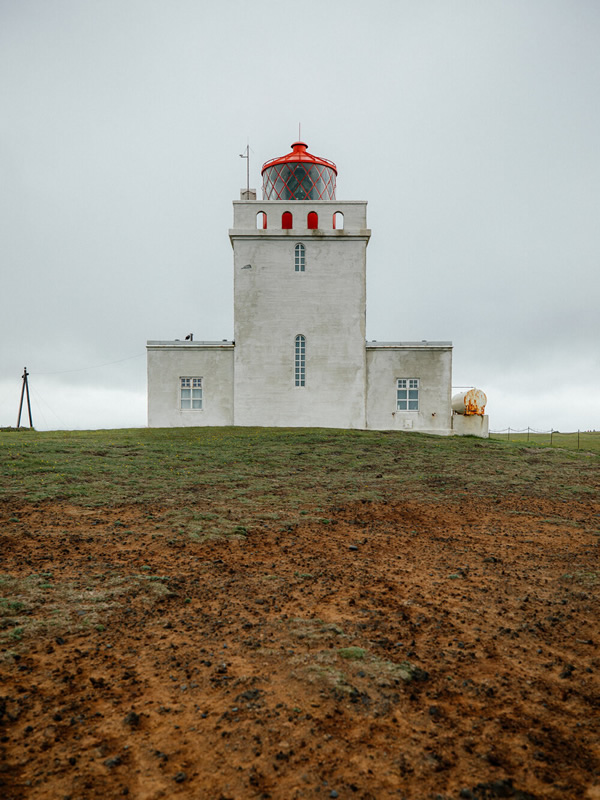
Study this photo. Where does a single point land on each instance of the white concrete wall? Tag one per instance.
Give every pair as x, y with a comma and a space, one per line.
169, 361
431, 363
354, 211
472, 425
273, 304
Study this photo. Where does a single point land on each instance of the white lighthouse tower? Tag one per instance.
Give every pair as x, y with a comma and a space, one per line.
299, 299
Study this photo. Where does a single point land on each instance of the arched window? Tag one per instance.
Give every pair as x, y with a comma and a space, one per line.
338, 221
261, 221
286, 220
300, 361
299, 258
313, 220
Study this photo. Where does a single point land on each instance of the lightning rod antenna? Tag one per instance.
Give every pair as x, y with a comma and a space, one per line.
246, 155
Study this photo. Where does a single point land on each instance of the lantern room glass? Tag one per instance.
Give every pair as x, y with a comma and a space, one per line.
299, 181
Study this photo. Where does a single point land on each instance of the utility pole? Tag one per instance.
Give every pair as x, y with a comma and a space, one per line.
24, 390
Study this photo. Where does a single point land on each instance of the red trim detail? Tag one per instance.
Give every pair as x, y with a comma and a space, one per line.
312, 221
286, 220
299, 154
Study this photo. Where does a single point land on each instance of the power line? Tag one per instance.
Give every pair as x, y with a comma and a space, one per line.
95, 366
41, 399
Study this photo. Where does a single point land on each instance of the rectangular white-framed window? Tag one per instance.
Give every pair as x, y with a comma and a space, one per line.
407, 394
190, 394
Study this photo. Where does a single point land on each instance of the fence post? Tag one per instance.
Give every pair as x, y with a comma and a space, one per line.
508, 435
528, 433
551, 432
578, 438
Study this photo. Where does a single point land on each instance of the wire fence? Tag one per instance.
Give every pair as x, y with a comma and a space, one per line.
572, 440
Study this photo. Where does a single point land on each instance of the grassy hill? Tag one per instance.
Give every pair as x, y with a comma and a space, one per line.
246, 469
278, 613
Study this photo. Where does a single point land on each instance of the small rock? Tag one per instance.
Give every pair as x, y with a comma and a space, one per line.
249, 695
180, 777
352, 547
567, 671
333, 793
112, 762
132, 719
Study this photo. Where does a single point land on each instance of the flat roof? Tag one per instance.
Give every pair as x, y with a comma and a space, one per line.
423, 344
187, 343
409, 345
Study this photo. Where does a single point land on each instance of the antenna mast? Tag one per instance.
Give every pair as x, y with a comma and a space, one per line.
246, 155
24, 390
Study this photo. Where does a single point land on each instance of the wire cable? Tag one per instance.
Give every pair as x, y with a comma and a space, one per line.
95, 366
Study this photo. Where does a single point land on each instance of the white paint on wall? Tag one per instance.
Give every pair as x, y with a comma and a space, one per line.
473, 425
325, 303
168, 362
431, 364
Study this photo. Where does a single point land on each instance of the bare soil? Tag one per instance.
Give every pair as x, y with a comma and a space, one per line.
390, 650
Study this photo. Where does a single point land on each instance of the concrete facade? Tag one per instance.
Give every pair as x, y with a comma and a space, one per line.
168, 362
299, 355
471, 425
325, 302
431, 364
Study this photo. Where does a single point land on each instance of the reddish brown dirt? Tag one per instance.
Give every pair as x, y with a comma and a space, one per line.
238, 685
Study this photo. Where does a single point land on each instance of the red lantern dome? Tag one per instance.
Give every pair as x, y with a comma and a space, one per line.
299, 176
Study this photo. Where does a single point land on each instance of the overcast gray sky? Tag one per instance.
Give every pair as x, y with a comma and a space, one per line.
472, 128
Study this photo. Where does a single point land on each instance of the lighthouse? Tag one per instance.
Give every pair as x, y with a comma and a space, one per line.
299, 261
299, 356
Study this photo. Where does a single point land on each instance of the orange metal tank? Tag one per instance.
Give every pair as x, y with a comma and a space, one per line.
469, 403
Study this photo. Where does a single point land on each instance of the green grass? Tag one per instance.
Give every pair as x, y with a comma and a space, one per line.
35, 604
582, 440
218, 481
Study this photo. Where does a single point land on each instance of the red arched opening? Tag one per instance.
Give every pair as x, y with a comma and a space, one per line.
313, 220
286, 220
338, 221
261, 220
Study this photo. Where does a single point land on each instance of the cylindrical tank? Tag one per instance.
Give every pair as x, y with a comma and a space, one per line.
299, 176
469, 403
